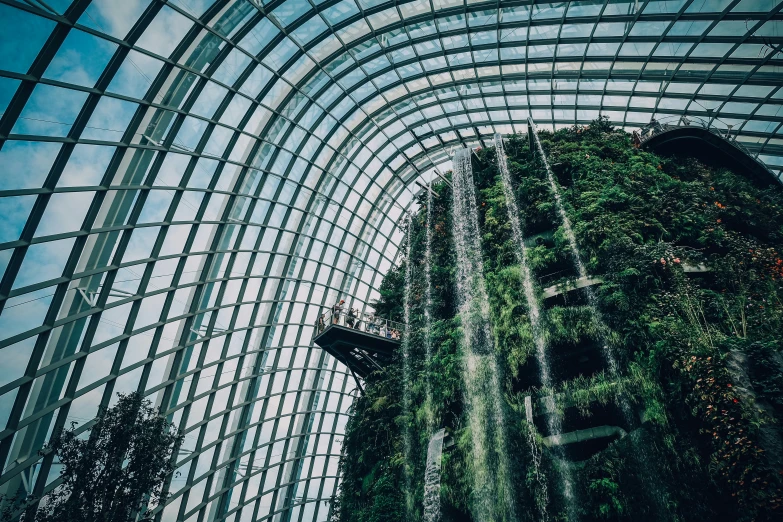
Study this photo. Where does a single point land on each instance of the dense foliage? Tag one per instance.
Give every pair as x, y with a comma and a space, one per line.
113, 473
691, 303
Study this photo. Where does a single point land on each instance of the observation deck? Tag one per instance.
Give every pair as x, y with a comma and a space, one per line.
362, 342
697, 137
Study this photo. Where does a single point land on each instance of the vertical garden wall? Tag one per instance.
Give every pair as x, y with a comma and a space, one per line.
665, 361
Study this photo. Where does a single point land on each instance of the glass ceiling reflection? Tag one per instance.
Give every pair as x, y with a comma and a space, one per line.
186, 185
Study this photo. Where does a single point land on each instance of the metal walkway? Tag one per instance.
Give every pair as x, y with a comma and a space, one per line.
364, 343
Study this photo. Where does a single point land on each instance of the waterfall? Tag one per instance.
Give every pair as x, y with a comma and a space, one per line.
576, 256
406, 376
492, 493
428, 312
521, 254
640, 455
432, 477
553, 416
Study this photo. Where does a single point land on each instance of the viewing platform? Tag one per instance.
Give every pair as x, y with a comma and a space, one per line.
698, 137
363, 342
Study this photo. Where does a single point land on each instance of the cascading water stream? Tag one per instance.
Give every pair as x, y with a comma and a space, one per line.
431, 511
432, 477
521, 254
553, 417
428, 312
406, 377
640, 454
576, 256
492, 493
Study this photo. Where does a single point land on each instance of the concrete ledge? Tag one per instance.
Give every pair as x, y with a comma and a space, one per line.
573, 437
695, 269
547, 404
582, 282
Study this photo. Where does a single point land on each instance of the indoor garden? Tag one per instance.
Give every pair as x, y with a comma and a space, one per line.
594, 333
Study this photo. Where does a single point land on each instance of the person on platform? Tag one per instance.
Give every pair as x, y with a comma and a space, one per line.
321, 324
337, 310
372, 324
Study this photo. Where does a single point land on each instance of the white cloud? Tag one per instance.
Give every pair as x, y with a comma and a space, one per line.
113, 17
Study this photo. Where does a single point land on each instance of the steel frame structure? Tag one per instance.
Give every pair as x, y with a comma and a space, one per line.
253, 162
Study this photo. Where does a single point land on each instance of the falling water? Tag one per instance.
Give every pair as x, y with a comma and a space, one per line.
553, 417
428, 311
492, 493
521, 253
576, 256
435, 447
432, 478
406, 377
640, 453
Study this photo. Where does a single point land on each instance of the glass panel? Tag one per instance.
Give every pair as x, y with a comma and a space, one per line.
23, 36
43, 261
165, 32
86, 166
109, 120
135, 75
81, 59
50, 111
64, 213
26, 163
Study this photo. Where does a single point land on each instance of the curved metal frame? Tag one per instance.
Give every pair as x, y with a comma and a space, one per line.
309, 172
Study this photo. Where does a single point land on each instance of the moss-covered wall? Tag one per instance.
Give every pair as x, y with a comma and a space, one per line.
699, 353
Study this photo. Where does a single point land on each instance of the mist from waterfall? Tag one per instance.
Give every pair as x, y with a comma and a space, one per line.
493, 499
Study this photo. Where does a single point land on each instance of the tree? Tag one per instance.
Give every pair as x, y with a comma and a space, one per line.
113, 475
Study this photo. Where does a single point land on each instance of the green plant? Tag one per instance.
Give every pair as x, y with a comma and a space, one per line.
644, 223
115, 473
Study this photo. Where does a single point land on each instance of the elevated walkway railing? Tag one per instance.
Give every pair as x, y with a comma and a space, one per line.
367, 323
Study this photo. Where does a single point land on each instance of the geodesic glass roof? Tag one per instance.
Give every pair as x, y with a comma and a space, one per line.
185, 184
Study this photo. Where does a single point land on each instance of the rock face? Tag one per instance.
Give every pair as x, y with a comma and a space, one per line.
769, 437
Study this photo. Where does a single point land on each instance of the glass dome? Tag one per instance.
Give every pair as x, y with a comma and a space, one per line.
186, 185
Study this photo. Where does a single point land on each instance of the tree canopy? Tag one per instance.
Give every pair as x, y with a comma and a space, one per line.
113, 472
